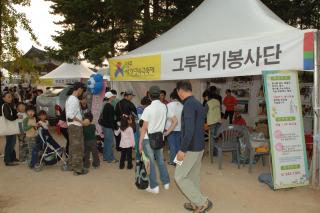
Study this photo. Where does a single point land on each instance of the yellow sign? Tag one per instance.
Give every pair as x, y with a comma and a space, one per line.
145, 68
44, 82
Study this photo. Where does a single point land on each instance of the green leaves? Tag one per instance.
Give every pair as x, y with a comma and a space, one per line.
10, 19
96, 29
99, 29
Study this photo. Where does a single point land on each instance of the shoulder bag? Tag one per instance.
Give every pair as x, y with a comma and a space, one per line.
157, 139
9, 127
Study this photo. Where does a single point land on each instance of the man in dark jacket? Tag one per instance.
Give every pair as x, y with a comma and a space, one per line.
187, 174
125, 106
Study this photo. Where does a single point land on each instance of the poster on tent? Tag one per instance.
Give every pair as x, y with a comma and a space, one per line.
96, 108
289, 162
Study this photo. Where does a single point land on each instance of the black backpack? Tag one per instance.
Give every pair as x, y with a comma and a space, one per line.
142, 181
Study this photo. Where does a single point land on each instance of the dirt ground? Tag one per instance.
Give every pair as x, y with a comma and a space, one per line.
109, 189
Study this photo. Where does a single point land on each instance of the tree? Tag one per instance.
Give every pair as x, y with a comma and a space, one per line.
303, 14
10, 20
95, 30
99, 29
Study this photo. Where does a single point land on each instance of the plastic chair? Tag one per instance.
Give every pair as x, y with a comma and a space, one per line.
228, 142
253, 144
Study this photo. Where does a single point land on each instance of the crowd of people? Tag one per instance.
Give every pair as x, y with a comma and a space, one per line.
127, 129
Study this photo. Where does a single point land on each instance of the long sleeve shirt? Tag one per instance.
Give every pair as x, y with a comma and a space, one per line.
29, 127
108, 116
127, 137
8, 112
125, 107
193, 119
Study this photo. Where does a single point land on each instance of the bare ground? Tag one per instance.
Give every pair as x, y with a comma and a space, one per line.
109, 189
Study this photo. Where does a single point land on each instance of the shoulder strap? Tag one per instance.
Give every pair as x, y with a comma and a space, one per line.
166, 118
9, 108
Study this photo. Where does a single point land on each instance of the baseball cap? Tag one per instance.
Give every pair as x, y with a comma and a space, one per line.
109, 95
154, 90
129, 92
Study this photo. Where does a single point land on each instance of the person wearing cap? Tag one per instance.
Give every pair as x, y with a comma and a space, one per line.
75, 130
125, 106
108, 125
154, 119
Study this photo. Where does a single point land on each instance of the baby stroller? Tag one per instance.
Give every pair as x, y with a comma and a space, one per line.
51, 151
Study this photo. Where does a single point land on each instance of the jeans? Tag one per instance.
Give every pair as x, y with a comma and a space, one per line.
10, 153
35, 152
156, 156
214, 128
107, 146
174, 140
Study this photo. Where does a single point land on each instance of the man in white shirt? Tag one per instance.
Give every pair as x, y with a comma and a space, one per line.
74, 120
154, 119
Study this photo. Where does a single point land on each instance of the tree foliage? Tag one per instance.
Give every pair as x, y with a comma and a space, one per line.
99, 29
302, 14
10, 20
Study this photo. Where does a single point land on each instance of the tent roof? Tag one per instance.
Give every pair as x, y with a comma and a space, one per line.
68, 71
218, 20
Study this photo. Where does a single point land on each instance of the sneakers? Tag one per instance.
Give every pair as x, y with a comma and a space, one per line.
206, 207
166, 186
154, 190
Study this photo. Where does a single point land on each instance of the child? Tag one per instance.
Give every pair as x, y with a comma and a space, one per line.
30, 127
90, 142
43, 122
238, 120
127, 141
23, 146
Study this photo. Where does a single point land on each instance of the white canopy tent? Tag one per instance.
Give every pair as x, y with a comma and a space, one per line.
69, 71
222, 38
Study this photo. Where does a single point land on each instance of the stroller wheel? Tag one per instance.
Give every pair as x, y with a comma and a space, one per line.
65, 168
37, 167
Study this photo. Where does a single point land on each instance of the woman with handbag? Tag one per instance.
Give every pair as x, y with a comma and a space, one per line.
9, 113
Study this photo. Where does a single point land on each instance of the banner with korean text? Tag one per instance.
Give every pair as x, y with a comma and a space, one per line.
292, 50
288, 151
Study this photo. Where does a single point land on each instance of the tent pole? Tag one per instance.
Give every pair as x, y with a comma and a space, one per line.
316, 128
